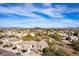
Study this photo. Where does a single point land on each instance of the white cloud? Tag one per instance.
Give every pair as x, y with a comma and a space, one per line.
26, 10
38, 23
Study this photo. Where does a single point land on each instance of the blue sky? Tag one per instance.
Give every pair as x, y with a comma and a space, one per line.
47, 15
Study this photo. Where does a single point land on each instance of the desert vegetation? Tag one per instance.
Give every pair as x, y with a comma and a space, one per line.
54, 52
45, 42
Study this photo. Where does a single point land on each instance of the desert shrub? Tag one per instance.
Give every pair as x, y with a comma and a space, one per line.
11, 36
75, 45
18, 53
28, 37
68, 38
50, 44
1, 31
45, 37
75, 34
1, 42
39, 34
57, 36
23, 51
54, 52
48, 52
61, 52
14, 48
7, 45
37, 38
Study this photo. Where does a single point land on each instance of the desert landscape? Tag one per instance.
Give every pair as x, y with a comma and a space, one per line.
39, 42
39, 29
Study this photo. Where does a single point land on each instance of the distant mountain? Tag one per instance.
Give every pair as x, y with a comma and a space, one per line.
37, 28
72, 27
77, 27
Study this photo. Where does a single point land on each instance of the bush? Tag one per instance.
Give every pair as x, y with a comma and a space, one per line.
75, 34
48, 52
8, 45
75, 45
14, 48
18, 53
23, 51
45, 37
1, 31
61, 52
1, 42
11, 36
54, 52
37, 38
50, 44
57, 36
28, 37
